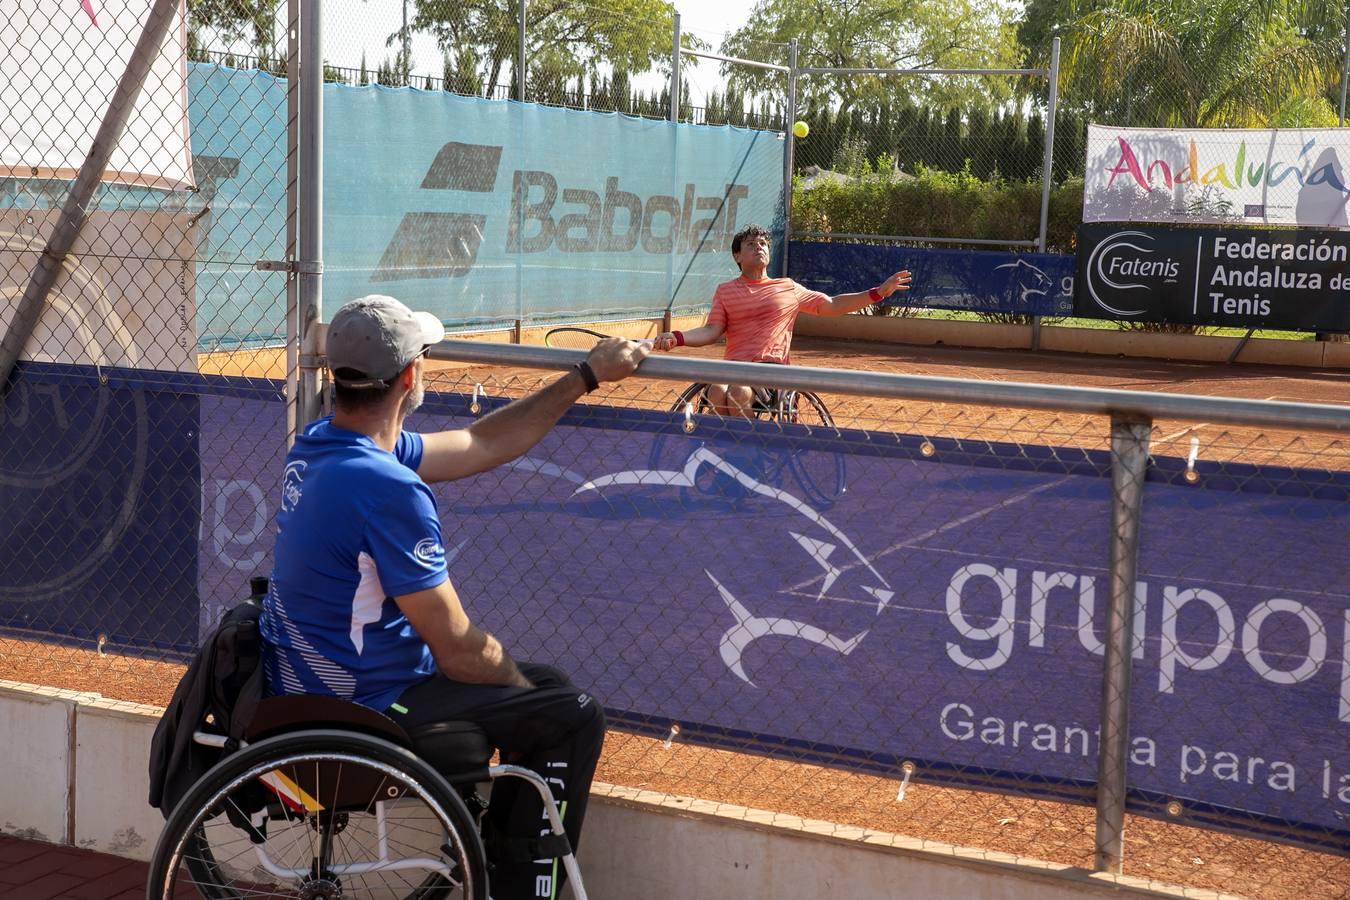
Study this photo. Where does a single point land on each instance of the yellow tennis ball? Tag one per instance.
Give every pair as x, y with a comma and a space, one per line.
801, 129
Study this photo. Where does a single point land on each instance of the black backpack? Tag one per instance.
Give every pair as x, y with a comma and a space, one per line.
218, 694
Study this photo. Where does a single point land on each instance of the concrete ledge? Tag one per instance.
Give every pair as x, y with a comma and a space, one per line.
1095, 341
1198, 348
78, 764
112, 778
923, 332
38, 725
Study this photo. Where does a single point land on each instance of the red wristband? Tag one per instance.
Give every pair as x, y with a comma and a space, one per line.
874, 295
679, 338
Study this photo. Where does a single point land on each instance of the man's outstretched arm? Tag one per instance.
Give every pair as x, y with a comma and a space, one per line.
463, 652
701, 336
847, 303
505, 434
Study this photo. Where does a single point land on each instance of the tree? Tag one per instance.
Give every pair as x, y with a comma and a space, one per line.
1191, 63
564, 38
892, 34
255, 22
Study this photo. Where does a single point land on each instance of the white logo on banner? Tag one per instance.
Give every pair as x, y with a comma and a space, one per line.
750, 627
1112, 265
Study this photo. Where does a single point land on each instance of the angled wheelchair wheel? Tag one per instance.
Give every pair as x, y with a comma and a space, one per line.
318, 815
821, 473
669, 454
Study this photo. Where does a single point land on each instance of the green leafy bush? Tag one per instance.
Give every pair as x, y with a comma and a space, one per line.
881, 201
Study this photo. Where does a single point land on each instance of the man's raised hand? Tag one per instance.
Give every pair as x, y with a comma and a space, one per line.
897, 282
614, 359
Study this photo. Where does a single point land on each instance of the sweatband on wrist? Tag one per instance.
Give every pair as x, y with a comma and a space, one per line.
587, 375
679, 338
874, 295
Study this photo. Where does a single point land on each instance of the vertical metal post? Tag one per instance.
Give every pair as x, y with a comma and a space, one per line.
407, 47
293, 16
520, 50
1345, 65
674, 168
1129, 466
73, 213
309, 266
675, 73
1047, 171
788, 154
1048, 158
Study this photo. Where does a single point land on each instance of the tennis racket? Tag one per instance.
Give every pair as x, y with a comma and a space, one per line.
574, 338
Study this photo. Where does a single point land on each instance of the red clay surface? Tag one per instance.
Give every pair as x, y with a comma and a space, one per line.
1060, 833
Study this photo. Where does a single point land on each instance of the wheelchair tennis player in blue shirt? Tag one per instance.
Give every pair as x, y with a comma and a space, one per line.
361, 605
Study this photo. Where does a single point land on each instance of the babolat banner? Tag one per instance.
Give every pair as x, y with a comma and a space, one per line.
482, 211
1295, 279
863, 600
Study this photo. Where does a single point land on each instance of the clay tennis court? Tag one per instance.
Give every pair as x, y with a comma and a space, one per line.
1054, 832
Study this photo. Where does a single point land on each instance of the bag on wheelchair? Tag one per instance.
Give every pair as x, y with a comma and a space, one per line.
218, 694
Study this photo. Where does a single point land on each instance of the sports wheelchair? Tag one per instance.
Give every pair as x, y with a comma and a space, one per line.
326, 799
821, 473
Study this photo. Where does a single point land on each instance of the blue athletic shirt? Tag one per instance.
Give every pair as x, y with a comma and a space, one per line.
356, 528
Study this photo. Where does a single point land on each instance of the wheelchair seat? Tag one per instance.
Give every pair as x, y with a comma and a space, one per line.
460, 751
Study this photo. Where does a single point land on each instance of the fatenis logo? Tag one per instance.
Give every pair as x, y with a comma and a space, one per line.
545, 216
290, 484
1124, 263
429, 551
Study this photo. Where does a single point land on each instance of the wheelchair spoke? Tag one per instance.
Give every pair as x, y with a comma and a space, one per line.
329, 823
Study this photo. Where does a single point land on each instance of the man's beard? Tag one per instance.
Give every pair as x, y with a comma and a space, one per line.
413, 399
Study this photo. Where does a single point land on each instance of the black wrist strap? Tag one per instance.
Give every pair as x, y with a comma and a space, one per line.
587, 375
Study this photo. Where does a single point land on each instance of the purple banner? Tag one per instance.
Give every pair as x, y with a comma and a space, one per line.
946, 607
99, 488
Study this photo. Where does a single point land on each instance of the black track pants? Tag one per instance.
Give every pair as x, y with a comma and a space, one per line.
553, 729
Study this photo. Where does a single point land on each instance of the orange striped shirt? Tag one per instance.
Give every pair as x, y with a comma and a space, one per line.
758, 316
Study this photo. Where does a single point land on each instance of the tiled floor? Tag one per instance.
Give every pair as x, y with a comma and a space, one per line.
31, 870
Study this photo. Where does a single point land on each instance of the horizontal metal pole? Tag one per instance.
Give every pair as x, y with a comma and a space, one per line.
831, 70
899, 238
1093, 401
753, 63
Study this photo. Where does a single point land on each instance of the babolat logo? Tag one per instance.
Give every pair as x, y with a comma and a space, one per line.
443, 245
588, 219
1125, 269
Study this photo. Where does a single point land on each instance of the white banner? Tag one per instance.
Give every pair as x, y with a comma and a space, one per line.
62, 60
1230, 176
126, 295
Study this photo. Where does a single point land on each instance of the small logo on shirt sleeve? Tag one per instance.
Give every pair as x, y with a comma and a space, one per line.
290, 484
429, 552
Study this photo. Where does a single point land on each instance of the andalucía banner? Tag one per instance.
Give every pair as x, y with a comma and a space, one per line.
1224, 176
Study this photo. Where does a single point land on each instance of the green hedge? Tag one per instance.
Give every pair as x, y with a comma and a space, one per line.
938, 204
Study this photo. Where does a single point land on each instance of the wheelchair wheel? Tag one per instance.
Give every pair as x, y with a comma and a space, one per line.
669, 454
317, 815
821, 473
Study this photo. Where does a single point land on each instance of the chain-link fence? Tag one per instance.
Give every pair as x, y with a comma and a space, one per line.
152, 319
864, 605
873, 605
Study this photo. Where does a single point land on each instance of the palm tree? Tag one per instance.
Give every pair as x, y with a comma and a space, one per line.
1200, 63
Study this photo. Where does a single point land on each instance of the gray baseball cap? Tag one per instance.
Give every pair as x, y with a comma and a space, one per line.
373, 338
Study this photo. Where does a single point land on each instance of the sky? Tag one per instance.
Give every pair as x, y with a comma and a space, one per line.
352, 27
